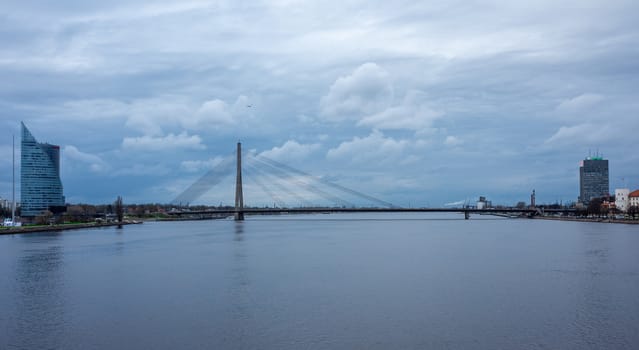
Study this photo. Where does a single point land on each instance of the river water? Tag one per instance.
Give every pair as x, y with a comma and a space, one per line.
338, 281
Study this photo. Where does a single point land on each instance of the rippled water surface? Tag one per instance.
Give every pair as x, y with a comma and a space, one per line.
339, 281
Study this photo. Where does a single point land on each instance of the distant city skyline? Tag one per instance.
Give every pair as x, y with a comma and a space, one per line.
420, 104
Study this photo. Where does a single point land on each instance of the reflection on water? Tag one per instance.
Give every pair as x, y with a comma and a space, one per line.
238, 327
324, 281
38, 319
239, 230
594, 316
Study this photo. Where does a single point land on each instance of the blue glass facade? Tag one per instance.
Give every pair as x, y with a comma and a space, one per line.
40, 185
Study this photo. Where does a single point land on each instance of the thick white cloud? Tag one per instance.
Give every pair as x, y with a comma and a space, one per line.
217, 114
367, 90
152, 116
95, 163
366, 97
291, 150
413, 114
372, 149
156, 116
163, 143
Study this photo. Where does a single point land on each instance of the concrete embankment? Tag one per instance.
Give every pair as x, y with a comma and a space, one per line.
62, 227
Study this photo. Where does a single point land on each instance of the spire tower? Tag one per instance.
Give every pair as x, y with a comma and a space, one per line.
239, 198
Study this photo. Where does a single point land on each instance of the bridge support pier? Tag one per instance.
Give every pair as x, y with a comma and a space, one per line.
239, 197
466, 215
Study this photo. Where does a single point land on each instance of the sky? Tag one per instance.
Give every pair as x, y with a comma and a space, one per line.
417, 103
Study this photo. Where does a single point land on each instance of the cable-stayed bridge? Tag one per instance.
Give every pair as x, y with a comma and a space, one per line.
283, 184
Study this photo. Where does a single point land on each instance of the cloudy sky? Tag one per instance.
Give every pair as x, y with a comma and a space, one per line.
417, 103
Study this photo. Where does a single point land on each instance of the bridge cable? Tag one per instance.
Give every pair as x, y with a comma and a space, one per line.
248, 171
281, 179
309, 187
275, 181
206, 182
326, 182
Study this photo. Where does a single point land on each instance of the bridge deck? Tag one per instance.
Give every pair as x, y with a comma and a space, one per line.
369, 210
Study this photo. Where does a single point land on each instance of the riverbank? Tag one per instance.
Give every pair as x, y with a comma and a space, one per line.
596, 220
189, 218
61, 227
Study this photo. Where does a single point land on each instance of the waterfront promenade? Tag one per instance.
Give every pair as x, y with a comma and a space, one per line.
61, 227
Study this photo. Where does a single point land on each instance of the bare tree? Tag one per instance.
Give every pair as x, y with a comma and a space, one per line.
633, 211
119, 209
594, 207
44, 218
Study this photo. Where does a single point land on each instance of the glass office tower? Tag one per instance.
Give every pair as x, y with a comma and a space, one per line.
40, 185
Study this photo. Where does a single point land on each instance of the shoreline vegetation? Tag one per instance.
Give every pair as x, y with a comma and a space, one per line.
76, 226
596, 220
604, 220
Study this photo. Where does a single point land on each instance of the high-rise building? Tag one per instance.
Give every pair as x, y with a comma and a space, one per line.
593, 179
40, 185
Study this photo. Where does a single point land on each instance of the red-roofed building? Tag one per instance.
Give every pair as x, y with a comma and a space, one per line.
633, 198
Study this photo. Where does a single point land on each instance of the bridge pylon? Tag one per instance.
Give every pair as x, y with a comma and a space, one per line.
239, 197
